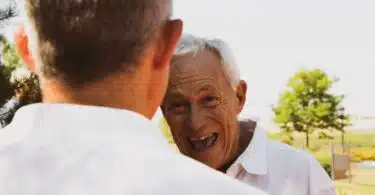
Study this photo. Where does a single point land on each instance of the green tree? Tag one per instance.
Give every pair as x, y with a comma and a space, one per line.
6, 87
23, 88
308, 106
340, 121
7, 12
9, 55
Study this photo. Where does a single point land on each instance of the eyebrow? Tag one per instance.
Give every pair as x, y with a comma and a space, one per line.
207, 88
175, 94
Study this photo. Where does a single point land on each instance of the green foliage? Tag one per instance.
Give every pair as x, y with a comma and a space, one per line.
27, 91
284, 137
166, 130
24, 88
9, 55
6, 87
307, 105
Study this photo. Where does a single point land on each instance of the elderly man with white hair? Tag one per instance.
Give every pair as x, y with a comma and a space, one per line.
204, 98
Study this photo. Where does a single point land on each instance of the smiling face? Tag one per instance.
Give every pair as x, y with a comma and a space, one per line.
201, 108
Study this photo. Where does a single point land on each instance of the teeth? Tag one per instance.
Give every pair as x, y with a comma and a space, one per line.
200, 138
200, 144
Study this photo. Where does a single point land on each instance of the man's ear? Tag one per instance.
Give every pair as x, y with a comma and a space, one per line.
241, 95
21, 43
167, 43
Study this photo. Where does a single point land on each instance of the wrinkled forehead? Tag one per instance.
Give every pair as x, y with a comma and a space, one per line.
192, 67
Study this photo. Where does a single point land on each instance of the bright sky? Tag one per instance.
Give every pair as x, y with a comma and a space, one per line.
272, 39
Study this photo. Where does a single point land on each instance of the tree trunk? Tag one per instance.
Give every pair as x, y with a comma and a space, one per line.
307, 140
343, 140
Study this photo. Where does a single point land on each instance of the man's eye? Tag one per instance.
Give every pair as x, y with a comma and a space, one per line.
210, 101
177, 108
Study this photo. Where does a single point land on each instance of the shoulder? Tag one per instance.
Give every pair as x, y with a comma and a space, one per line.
10, 136
144, 170
292, 155
300, 164
202, 176
291, 161
188, 176
289, 152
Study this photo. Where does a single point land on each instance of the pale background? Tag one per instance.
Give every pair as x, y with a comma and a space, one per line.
273, 39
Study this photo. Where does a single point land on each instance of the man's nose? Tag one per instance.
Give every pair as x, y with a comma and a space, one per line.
196, 118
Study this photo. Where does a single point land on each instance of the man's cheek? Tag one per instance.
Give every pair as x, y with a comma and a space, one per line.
219, 114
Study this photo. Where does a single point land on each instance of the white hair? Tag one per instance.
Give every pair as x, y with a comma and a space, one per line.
190, 43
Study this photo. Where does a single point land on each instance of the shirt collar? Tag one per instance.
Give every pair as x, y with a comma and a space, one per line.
254, 158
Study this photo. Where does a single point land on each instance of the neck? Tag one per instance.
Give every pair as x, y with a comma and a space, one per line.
246, 132
226, 166
120, 93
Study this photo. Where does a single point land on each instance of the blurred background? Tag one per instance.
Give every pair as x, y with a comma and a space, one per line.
327, 44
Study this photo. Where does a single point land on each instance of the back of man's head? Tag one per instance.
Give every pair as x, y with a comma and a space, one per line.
77, 41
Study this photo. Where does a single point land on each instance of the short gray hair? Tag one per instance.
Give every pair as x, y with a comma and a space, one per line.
190, 43
80, 41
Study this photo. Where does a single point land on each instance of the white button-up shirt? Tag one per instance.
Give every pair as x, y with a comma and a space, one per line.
85, 150
279, 169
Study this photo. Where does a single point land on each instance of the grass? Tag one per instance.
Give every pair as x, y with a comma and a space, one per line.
346, 188
356, 139
362, 182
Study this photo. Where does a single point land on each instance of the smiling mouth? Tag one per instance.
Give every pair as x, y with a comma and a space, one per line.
201, 144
